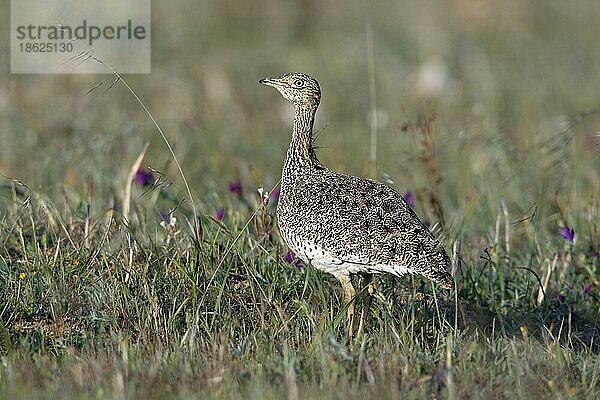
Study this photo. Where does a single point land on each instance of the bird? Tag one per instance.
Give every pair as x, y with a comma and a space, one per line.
342, 224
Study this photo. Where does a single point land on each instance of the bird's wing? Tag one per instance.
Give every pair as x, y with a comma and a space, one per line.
368, 223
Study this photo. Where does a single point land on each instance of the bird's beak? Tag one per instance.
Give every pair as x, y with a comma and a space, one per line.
269, 81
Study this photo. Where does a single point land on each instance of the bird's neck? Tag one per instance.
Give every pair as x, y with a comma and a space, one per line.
301, 153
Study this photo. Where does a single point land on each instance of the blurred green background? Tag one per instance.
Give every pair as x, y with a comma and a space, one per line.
513, 86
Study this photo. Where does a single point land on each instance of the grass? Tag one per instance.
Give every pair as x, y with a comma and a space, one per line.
501, 150
129, 315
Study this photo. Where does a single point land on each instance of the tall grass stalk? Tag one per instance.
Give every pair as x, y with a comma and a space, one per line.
372, 95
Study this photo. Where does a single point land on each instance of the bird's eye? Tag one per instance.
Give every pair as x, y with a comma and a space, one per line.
298, 83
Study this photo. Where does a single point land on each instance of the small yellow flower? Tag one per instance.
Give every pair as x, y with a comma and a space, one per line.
75, 262
523, 330
22, 275
75, 276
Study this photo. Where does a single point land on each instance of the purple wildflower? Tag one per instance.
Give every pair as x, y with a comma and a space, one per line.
220, 214
143, 177
588, 289
567, 233
164, 215
560, 297
409, 197
291, 258
235, 187
275, 193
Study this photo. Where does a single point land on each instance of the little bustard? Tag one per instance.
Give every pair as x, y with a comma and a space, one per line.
344, 224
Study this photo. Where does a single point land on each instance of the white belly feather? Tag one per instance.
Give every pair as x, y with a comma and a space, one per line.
325, 261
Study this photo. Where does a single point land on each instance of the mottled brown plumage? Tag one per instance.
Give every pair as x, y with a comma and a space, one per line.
344, 224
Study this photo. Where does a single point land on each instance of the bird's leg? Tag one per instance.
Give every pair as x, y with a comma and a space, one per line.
349, 293
367, 289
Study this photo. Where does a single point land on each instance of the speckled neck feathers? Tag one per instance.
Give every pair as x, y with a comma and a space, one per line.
301, 155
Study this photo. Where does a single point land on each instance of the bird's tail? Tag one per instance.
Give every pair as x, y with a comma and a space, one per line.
438, 268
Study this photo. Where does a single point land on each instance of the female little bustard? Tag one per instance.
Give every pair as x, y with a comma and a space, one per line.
343, 224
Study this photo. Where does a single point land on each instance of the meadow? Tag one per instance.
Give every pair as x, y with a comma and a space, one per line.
116, 281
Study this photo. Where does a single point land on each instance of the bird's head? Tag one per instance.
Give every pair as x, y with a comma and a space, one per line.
298, 88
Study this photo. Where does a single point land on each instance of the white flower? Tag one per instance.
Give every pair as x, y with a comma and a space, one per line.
264, 194
169, 223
